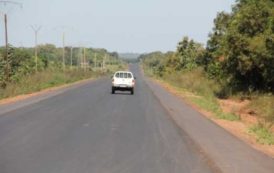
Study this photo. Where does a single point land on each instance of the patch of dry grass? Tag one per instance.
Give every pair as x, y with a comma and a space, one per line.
45, 79
263, 105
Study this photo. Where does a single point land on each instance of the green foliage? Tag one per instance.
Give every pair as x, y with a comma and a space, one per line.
215, 70
212, 60
21, 63
48, 54
2, 73
190, 53
188, 56
154, 62
264, 135
242, 46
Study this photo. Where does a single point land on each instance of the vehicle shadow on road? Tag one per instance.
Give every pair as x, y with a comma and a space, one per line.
121, 93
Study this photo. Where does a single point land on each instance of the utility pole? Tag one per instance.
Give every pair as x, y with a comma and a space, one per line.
85, 61
82, 58
36, 30
79, 58
64, 63
7, 66
71, 52
102, 65
63, 28
95, 61
104, 61
6, 58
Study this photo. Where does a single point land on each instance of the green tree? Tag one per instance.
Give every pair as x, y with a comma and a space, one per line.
241, 45
189, 53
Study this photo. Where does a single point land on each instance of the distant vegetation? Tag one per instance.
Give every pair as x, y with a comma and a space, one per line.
129, 55
238, 59
19, 75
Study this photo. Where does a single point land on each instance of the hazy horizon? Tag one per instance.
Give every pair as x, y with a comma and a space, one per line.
120, 25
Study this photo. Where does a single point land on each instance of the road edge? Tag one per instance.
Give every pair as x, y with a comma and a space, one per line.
23, 97
205, 113
197, 147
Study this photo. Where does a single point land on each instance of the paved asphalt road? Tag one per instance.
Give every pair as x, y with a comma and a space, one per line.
86, 129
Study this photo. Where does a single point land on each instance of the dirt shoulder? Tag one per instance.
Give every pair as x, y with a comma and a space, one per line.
239, 129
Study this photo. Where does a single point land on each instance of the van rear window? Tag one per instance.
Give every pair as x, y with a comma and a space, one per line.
123, 75
117, 75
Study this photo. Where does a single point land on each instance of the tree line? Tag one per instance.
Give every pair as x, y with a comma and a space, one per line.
21, 61
239, 53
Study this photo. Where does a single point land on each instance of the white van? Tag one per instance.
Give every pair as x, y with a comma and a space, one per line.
123, 81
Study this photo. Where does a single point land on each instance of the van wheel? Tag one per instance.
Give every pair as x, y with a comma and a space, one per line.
112, 90
132, 91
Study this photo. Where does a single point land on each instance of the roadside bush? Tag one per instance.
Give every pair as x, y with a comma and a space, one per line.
242, 43
264, 135
263, 104
194, 81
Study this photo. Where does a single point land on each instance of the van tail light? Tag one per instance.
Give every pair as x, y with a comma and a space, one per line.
133, 81
112, 80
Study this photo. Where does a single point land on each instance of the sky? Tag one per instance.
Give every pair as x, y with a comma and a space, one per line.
138, 26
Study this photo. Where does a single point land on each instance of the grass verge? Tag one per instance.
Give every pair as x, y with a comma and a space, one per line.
263, 135
195, 87
201, 88
50, 78
213, 107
